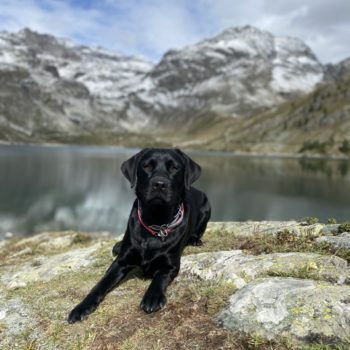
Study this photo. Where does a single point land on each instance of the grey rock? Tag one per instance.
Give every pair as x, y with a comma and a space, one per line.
57, 242
330, 230
251, 228
15, 319
336, 71
240, 269
45, 268
341, 241
300, 310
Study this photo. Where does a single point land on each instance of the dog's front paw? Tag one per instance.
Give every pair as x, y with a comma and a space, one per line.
116, 248
197, 242
81, 311
152, 302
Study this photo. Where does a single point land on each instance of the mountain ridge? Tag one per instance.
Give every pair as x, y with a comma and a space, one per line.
56, 91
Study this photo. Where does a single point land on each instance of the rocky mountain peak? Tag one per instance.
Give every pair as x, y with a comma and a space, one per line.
339, 70
234, 74
248, 39
45, 44
237, 72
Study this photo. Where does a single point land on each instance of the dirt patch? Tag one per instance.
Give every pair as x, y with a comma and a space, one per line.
183, 324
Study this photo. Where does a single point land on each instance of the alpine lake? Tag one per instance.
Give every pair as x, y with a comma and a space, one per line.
82, 188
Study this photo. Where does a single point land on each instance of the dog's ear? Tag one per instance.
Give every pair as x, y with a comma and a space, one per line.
129, 167
192, 169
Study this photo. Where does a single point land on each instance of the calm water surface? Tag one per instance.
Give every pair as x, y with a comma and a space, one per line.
81, 188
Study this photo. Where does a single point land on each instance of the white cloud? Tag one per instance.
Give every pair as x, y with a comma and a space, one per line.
151, 27
54, 17
322, 24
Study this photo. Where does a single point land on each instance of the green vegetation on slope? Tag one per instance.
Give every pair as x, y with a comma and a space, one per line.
318, 123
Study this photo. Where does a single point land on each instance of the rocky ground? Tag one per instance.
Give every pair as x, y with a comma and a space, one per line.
253, 285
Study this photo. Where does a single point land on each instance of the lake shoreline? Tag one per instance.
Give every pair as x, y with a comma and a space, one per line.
189, 150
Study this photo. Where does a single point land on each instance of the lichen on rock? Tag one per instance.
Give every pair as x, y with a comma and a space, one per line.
239, 268
45, 268
298, 309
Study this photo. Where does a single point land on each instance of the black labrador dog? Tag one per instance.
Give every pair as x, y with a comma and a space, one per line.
167, 215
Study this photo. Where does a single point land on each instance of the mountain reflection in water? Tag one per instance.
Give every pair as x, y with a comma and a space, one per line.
82, 188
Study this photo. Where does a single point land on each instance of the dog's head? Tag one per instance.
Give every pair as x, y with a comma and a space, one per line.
160, 175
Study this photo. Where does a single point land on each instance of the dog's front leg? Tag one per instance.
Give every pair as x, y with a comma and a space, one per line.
154, 298
116, 272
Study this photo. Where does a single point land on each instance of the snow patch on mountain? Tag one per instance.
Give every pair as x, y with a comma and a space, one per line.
285, 81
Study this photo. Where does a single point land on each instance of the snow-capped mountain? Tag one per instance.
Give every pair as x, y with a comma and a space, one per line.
234, 73
52, 86
104, 73
62, 87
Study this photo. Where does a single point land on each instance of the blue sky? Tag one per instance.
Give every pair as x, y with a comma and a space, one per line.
149, 28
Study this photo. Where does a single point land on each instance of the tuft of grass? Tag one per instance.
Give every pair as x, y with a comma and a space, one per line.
256, 340
332, 221
213, 295
344, 227
310, 220
282, 242
81, 238
343, 253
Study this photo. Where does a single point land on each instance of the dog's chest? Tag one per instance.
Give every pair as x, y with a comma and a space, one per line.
150, 250
150, 245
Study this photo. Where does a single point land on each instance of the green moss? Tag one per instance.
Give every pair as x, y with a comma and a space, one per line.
297, 310
331, 221
309, 270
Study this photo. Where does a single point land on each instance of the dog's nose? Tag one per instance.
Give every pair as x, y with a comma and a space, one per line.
159, 185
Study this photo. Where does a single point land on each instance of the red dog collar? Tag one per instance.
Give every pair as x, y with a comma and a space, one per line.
162, 231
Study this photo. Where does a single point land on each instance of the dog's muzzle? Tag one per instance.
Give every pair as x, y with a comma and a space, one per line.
159, 188
159, 184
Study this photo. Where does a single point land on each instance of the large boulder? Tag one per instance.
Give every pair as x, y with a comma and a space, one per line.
301, 310
240, 269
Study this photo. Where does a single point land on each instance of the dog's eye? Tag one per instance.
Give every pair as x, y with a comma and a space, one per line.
173, 168
148, 167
